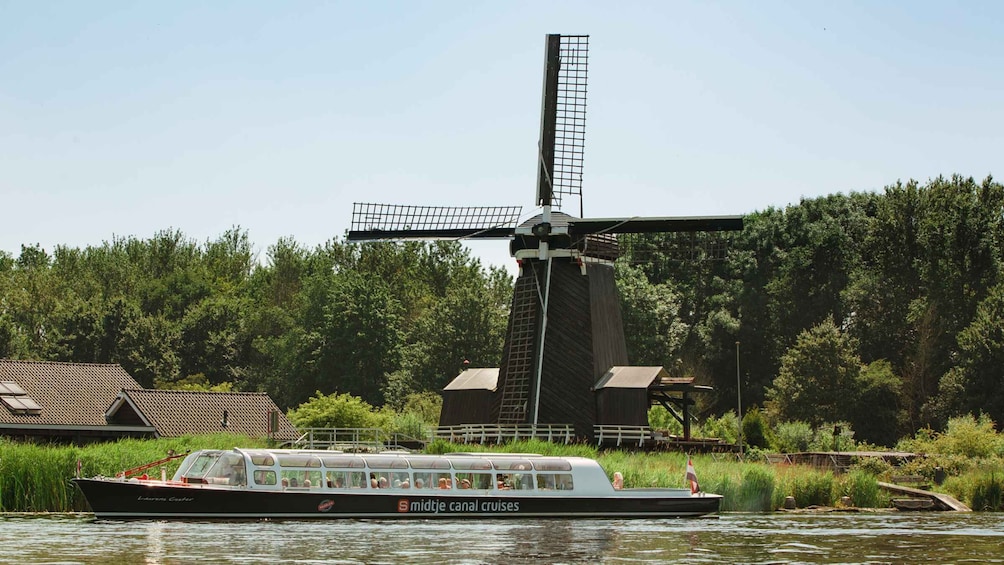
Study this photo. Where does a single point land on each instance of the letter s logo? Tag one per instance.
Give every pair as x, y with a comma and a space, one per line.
402, 505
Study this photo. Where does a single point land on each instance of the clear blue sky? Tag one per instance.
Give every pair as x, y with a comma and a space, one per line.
121, 118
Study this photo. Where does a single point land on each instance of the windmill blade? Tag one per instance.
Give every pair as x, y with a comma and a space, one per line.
372, 222
579, 227
563, 119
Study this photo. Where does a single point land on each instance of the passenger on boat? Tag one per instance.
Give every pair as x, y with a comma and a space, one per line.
443, 484
465, 484
339, 483
383, 482
374, 483
306, 483
293, 482
285, 482
618, 480
419, 483
405, 484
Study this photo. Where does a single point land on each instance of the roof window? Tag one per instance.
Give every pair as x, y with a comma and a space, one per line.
17, 400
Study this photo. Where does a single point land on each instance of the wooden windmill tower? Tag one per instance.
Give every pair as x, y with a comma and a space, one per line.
565, 329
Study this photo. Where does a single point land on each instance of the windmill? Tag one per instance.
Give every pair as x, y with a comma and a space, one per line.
565, 329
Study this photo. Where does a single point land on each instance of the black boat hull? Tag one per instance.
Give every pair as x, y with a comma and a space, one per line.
111, 499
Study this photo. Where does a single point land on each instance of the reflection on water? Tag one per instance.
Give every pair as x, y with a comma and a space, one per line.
732, 538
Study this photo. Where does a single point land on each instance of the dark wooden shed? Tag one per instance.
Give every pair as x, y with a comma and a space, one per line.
468, 398
622, 395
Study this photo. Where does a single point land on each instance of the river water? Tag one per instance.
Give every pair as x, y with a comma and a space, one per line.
730, 538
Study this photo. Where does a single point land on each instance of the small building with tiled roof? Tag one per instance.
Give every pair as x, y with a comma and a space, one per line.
174, 413
54, 401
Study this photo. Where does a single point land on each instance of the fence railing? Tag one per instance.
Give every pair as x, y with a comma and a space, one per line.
479, 433
622, 435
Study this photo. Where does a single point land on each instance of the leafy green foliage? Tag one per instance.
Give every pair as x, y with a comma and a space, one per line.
818, 377
338, 411
756, 431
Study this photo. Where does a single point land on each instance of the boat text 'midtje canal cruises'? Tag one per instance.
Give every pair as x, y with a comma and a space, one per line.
300, 484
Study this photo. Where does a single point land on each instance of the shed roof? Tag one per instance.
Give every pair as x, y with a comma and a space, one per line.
475, 379
69, 394
177, 413
631, 377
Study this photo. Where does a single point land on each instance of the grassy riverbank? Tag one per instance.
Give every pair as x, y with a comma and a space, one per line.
35, 478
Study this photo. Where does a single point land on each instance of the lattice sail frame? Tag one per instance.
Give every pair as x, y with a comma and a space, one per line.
570, 134
563, 120
391, 221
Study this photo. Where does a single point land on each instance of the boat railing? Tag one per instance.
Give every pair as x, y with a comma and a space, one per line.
484, 433
356, 439
622, 435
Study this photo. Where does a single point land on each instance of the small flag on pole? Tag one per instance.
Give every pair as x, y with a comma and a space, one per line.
692, 477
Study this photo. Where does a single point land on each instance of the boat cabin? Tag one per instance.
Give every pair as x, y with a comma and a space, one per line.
324, 471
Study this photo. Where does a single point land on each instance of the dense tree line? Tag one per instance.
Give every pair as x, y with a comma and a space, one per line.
881, 309
885, 310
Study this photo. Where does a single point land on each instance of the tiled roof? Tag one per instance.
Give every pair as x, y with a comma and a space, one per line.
70, 394
177, 413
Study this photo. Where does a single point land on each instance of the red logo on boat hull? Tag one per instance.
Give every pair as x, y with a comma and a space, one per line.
325, 505
402, 505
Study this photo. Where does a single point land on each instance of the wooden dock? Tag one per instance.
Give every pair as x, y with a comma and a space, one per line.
939, 501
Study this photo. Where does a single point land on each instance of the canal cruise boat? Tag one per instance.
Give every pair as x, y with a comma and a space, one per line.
313, 484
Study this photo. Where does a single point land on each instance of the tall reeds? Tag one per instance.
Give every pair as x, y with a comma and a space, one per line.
36, 477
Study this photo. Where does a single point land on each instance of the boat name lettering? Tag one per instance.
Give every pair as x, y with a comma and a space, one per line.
165, 499
434, 506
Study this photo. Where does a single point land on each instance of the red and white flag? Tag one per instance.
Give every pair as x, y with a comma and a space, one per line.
692, 477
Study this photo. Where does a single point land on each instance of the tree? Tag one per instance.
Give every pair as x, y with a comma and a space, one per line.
818, 377
976, 383
652, 326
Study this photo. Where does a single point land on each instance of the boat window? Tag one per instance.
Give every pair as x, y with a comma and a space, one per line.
552, 465
387, 462
346, 479
473, 481
228, 470
471, 463
430, 463
514, 481
554, 481
301, 479
442, 481
264, 477
344, 461
263, 459
511, 464
380, 479
400, 480
299, 461
423, 481
196, 465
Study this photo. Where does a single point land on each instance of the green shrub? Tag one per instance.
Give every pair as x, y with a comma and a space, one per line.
823, 438
660, 419
792, 437
339, 411
965, 435
755, 429
725, 427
